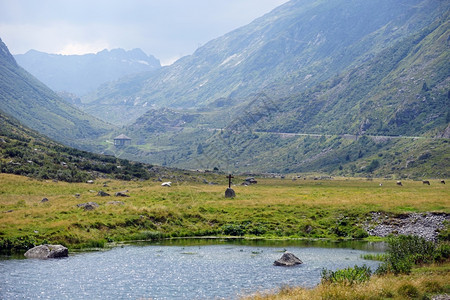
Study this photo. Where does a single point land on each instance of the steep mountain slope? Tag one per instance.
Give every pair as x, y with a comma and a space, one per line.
402, 91
31, 102
388, 116
304, 42
80, 74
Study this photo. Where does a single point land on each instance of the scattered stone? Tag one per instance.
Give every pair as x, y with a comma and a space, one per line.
288, 259
103, 194
47, 251
54, 180
205, 181
168, 183
92, 191
90, 181
88, 205
121, 194
44, 200
77, 195
229, 193
105, 185
8, 211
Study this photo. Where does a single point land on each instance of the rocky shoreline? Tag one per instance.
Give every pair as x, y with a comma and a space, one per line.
426, 225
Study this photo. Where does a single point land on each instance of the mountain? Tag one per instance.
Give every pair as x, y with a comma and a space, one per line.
80, 74
298, 45
25, 98
26, 152
386, 116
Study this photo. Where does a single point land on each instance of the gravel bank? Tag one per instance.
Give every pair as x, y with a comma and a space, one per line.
426, 225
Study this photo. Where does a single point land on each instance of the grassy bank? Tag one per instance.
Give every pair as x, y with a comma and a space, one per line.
412, 268
272, 208
422, 283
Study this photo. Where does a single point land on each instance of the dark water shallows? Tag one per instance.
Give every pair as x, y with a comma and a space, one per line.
169, 272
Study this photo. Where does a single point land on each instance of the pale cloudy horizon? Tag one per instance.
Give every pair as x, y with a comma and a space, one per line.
167, 29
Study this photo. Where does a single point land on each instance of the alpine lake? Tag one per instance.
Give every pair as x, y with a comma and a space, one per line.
179, 269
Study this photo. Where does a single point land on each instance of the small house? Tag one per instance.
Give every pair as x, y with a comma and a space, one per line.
122, 140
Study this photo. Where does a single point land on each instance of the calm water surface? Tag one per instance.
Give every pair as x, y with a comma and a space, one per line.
175, 271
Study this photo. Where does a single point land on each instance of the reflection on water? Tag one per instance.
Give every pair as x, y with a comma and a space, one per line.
177, 269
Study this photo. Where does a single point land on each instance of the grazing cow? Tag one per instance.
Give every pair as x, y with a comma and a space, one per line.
425, 182
443, 181
399, 183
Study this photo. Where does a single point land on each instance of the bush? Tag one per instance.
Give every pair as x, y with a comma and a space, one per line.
347, 276
233, 230
405, 251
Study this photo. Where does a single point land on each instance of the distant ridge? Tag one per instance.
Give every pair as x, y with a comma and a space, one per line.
80, 74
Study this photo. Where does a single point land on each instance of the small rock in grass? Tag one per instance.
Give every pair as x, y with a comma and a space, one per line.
88, 206
103, 194
121, 194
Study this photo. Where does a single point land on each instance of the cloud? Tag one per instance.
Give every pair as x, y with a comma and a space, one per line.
167, 29
83, 48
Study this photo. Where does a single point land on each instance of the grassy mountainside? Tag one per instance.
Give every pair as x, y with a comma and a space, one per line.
28, 100
404, 90
25, 152
303, 42
386, 117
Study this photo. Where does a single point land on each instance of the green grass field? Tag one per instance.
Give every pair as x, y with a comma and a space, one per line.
273, 208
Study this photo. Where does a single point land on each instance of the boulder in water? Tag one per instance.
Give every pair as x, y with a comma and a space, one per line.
47, 251
288, 259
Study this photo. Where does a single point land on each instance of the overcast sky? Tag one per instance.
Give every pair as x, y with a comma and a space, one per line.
167, 29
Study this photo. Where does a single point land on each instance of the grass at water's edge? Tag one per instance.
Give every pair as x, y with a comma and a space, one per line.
422, 283
412, 268
273, 208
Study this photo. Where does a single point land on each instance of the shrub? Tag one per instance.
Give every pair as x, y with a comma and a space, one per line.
233, 230
405, 251
347, 276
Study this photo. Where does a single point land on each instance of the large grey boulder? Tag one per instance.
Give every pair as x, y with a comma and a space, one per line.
47, 251
288, 259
